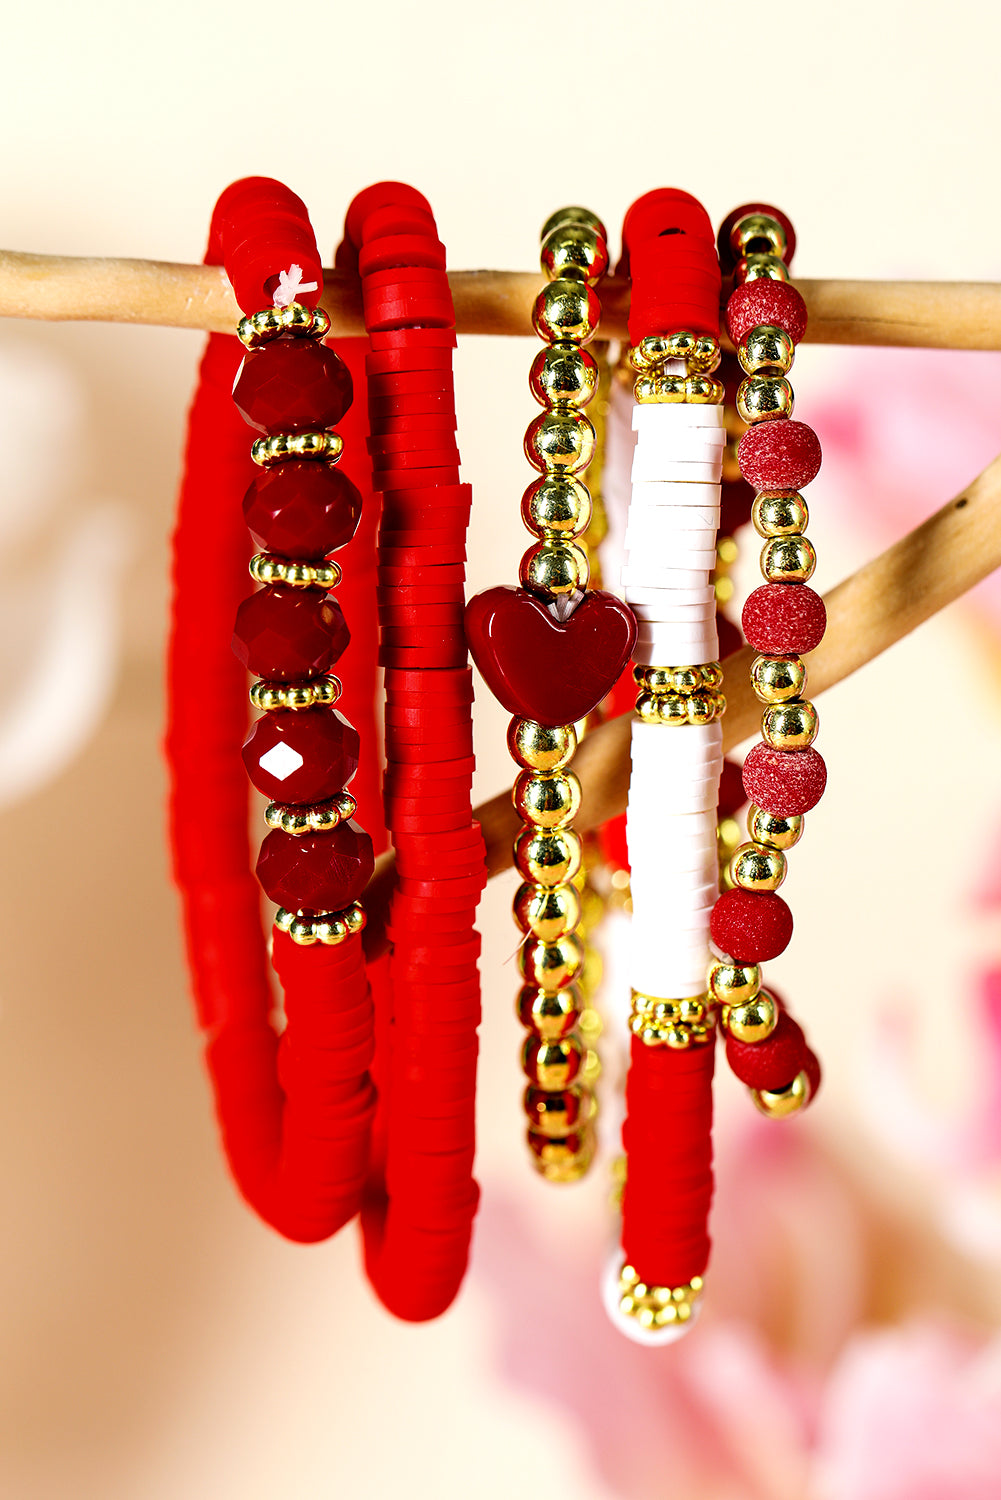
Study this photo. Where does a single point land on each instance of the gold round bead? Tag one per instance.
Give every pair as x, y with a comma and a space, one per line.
566, 309
556, 504
701, 707
776, 679
563, 375
790, 726
302, 931
552, 1065
554, 567
557, 1114
760, 268
648, 707
779, 513
754, 1021
295, 820
703, 390
548, 914
548, 801
758, 233
766, 350
657, 389
574, 214
734, 984
575, 251
765, 398
550, 1015
551, 966
560, 441
788, 559
539, 747
756, 867
565, 1160
299, 695
323, 818
768, 828
778, 1104
354, 917
547, 856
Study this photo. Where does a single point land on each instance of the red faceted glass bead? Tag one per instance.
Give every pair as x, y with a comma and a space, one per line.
301, 755
284, 633
302, 510
292, 385
316, 871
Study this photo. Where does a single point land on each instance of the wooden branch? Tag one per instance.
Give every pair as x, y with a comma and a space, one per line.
880, 604
919, 314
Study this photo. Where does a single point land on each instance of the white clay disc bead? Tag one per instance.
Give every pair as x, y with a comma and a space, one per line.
654, 468
653, 492
656, 417
673, 598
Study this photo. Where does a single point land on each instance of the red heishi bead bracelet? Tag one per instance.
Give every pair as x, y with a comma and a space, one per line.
422, 1198
783, 775
295, 1113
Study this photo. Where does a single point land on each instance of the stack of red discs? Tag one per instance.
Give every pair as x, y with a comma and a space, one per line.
417, 1250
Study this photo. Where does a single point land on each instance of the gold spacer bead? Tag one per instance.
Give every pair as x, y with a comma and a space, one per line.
547, 801
778, 1104
549, 1015
752, 1022
659, 390
577, 252
325, 446
301, 931
758, 233
566, 310
767, 350
760, 268
756, 867
779, 513
788, 559
284, 919
547, 856
551, 966
776, 679
703, 390
558, 505
555, 568
768, 828
354, 917
295, 820
331, 929
765, 398
790, 726
547, 914
734, 984
539, 747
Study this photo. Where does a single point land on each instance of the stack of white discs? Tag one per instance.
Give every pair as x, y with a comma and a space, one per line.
674, 786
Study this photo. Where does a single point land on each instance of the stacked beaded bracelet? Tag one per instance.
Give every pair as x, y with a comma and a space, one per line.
549, 652
295, 1113
420, 1209
784, 776
654, 1285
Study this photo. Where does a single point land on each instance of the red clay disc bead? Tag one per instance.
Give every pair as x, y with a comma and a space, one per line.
406, 360
773, 1063
751, 926
299, 756
784, 782
292, 385
783, 617
783, 455
283, 633
765, 301
302, 510
662, 210
403, 479
316, 871
401, 250
413, 338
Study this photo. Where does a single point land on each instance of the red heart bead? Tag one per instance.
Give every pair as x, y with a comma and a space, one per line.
541, 668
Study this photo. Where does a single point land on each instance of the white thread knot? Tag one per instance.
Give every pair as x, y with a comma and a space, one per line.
290, 284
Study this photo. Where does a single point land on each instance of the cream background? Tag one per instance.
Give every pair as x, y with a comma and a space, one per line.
157, 1342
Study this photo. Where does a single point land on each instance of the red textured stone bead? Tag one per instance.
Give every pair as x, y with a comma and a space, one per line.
783, 455
765, 301
784, 782
301, 755
811, 1067
751, 926
302, 510
316, 871
283, 633
292, 385
783, 617
773, 1063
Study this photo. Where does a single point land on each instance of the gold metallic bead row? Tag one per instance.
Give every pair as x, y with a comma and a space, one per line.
329, 928
679, 695
266, 568
677, 390
282, 446
319, 817
678, 1024
748, 1012
700, 352
316, 692
271, 322
656, 1306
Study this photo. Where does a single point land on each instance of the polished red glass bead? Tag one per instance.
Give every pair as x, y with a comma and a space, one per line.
316, 871
283, 633
302, 510
301, 755
292, 385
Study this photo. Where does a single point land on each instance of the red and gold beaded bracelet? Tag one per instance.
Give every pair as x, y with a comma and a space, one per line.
784, 776
296, 1111
549, 651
